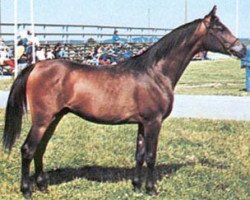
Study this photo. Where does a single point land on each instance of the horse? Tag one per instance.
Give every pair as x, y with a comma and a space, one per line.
138, 91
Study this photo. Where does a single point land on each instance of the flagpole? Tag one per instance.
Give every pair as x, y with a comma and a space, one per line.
237, 19
32, 31
15, 38
186, 11
0, 16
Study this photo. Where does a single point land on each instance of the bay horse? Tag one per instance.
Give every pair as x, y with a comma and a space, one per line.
137, 91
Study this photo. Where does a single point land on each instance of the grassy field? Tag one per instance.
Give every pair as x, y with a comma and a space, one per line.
5, 84
197, 159
217, 77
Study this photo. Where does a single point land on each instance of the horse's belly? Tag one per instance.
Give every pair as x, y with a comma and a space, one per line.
105, 108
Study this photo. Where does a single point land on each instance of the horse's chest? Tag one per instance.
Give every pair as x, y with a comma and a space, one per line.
154, 101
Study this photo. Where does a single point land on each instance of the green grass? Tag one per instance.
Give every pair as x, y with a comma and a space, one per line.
197, 159
5, 84
217, 77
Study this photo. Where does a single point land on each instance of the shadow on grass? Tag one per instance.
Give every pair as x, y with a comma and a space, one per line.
106, 174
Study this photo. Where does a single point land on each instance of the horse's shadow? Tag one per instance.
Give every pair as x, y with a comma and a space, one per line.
106, 174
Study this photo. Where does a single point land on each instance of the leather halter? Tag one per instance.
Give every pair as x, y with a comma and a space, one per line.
223, 44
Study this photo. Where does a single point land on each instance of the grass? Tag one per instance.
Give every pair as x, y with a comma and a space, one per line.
217, 77
5, 84
197, 159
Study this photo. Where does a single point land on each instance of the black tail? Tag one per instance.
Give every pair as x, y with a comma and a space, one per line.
16, 107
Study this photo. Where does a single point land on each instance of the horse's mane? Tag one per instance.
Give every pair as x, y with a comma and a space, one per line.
163, 47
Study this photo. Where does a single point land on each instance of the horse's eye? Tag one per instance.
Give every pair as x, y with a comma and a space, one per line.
217, 27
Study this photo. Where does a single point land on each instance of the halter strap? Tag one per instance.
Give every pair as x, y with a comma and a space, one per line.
225, 47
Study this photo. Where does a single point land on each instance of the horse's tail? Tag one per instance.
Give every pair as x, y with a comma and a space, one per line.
16, 107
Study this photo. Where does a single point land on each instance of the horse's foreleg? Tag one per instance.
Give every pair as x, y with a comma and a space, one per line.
151, 132
41, 179
139, 157
27, 151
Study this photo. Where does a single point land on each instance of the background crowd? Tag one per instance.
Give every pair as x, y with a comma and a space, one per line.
92, 53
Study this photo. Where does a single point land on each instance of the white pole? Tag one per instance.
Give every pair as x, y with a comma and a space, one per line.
149, 20
149, 13
15, 37
33, 31
237, 19
0, 16
186, 11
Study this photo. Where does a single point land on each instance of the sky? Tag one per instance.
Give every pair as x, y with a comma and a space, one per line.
163, 13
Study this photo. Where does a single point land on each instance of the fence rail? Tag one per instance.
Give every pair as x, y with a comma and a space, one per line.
77, 31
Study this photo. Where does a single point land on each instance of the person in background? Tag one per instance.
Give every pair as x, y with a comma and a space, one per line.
26, 39
59, 51
32, 39
2, 44
22, 39
115, 37
40, 54
21, 57
4, 52
4, 55
245, 63
50, 55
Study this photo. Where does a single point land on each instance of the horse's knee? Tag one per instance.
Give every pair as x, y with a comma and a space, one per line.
27, 152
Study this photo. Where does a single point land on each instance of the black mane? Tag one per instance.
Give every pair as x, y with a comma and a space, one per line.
163, 47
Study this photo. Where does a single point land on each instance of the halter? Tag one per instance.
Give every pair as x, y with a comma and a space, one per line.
225, 47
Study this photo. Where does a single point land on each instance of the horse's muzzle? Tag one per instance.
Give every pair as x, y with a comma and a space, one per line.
238, 49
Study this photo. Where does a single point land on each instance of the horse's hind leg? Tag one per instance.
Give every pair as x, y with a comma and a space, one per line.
139, 157
151, 132
40, 176
28, 150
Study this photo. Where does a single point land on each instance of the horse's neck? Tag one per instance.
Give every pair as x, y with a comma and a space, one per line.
174, 64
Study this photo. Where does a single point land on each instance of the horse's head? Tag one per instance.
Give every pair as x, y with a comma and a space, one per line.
218, 37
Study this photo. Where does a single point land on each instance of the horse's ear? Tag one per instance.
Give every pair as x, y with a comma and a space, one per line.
213, 11
211, 15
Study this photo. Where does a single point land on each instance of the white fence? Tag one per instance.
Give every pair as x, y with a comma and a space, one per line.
67, 32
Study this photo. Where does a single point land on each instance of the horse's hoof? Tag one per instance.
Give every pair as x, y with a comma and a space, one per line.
137, 189
152, 191
27, 195
26, 191
137, 185
42, 184
43, 188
